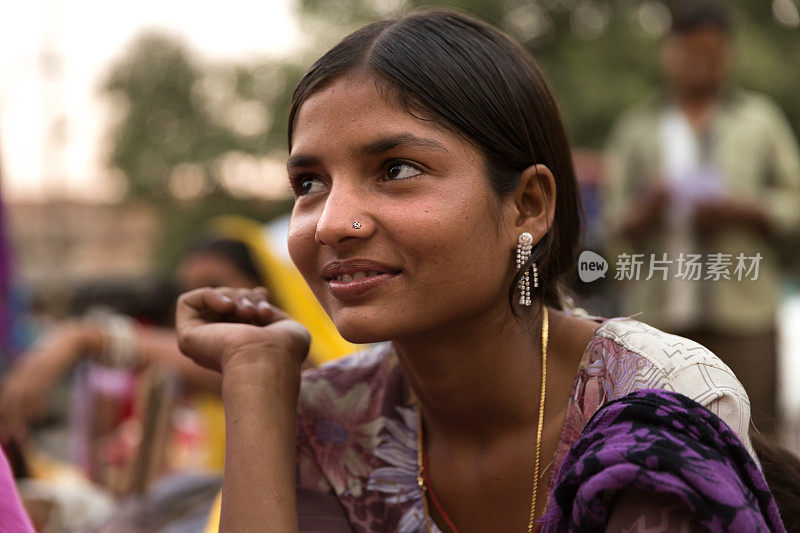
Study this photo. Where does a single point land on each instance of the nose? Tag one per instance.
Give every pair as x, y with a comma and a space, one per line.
343, 217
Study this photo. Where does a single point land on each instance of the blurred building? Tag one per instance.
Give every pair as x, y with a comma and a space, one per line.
61, 244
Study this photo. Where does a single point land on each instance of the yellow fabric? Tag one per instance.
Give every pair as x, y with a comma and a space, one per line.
288, 288
212, 526
213, 416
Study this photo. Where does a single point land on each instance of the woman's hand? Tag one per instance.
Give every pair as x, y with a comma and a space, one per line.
25, 390
259, 350
225, 328
650, 207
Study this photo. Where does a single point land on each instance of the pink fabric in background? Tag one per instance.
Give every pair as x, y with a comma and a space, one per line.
13, 518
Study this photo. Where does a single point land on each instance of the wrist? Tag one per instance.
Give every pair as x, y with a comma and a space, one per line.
111, 339
91, 337
74, 341
244, 383
262, 357
259, 362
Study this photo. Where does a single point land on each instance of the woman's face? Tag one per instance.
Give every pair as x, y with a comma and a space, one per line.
434, 247
203, 269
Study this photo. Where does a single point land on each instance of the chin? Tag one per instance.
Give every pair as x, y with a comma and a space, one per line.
363, 334
365, 328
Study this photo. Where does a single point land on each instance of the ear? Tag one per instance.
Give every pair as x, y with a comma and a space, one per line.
535, 200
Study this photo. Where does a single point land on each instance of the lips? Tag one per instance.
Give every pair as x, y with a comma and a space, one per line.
353, 278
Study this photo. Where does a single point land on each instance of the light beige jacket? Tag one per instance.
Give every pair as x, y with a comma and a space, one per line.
758, 159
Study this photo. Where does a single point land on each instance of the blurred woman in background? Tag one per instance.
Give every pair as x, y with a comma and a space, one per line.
116, 340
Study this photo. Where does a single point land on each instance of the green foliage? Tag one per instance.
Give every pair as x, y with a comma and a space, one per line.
179, 117
165, 122
270, 85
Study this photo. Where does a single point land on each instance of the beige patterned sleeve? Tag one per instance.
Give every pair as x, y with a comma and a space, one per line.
688, 368
716, 388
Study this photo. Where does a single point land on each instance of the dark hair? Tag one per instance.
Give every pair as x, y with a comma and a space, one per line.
475, 80
693, 15
235, 252
782, 472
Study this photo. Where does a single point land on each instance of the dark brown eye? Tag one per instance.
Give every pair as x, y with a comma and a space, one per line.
399, 171
308, 185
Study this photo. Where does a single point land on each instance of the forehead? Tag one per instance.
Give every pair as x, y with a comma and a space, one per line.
353, 111
702, 36
202, 269
205, 261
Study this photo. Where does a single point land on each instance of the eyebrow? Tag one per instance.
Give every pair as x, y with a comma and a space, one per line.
377, 147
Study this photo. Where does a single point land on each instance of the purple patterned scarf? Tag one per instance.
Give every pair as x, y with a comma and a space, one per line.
663, 443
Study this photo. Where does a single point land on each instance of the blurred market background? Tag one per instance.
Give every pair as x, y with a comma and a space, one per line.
126, 127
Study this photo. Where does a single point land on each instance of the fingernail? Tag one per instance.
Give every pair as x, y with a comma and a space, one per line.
226, 299
247, 303
263, 306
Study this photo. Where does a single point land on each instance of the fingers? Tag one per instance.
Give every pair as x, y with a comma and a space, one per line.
215, 324
252, 307
192, 305
257, 307
221, 305
249, 306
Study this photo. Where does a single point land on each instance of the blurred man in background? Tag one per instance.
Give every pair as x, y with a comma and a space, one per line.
705, 183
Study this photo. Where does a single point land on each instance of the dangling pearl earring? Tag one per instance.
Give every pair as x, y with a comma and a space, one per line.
524, 248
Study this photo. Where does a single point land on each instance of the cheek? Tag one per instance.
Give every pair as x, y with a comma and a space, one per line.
453, 245
300, 241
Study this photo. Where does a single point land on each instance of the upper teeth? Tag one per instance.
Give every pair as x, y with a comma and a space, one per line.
355, 275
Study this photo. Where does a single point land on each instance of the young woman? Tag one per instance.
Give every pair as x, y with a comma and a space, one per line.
425, 154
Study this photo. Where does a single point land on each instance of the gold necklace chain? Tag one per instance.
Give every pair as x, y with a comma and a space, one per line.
420, 439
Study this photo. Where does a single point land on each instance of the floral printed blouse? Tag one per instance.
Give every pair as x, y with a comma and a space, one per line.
357, 424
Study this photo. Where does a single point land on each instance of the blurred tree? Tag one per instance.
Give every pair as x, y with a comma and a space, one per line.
165, 120
185, 128
264, 89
